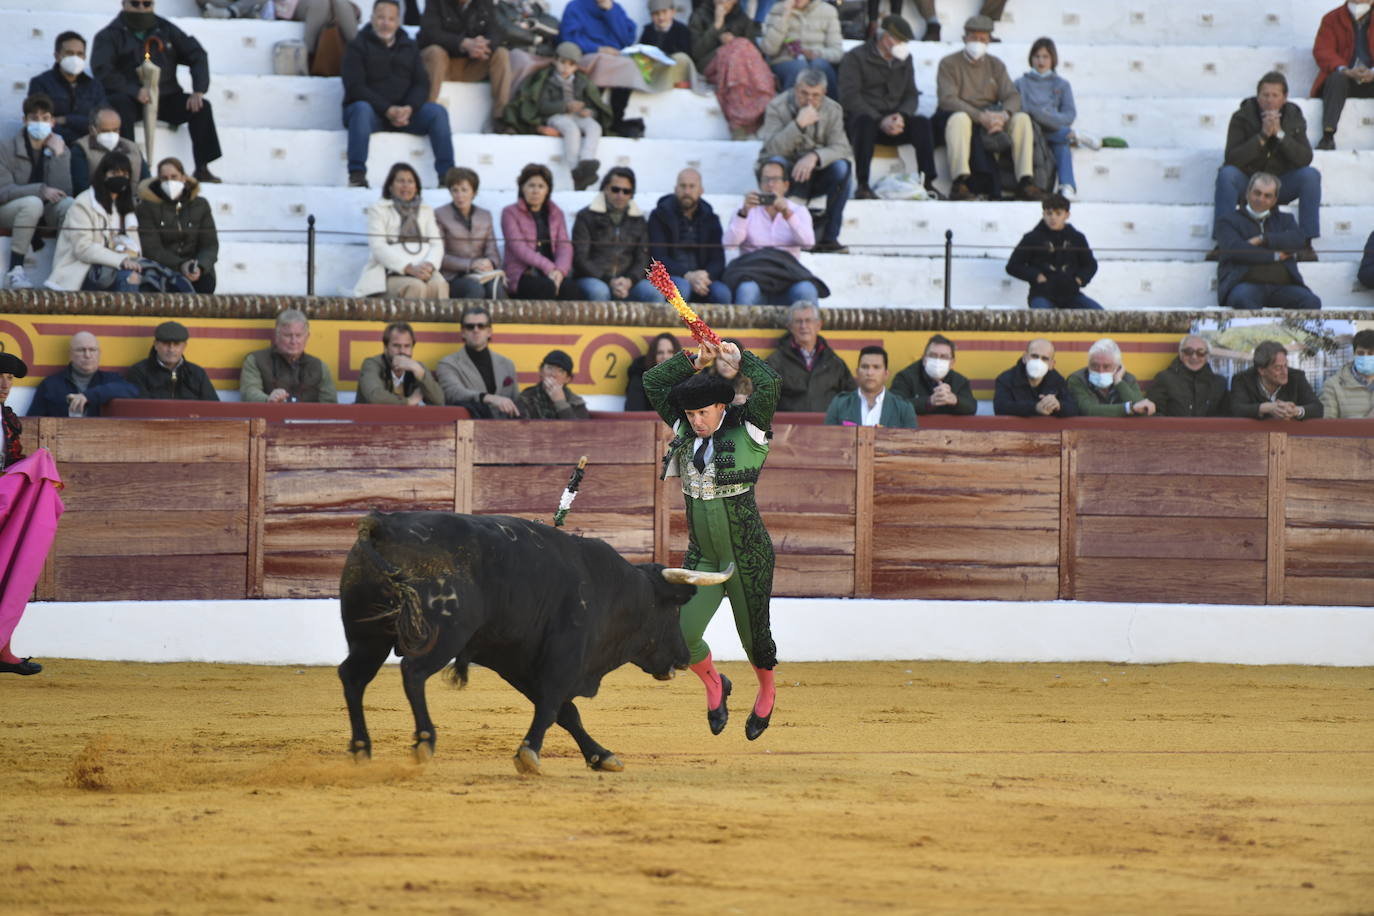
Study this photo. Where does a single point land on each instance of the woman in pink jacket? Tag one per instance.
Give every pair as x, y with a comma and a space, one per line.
539, 253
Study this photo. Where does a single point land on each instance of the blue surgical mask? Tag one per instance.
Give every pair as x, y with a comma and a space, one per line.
1101, 379
1364, 365
38, 130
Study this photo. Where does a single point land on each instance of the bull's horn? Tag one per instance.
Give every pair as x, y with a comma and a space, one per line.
697, 576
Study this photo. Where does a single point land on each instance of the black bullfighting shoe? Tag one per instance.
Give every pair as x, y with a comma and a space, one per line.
756, 724
26, 667
721, 714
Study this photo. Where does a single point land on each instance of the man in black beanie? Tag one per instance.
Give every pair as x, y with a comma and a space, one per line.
552, 399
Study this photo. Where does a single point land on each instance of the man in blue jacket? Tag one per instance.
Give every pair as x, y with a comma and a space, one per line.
1257, 266
74, 94
81, 389
1032, 387
385, 88
685, 234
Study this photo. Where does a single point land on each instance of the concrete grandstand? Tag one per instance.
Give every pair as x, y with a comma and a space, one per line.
1163, 75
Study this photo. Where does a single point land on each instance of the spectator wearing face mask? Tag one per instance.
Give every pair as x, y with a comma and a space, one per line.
932, 385
879, 97
1048, 98
1055, 259
1104, 388
103, 137
176, 225
74, 94
35, 185
1349, 394
1032, 387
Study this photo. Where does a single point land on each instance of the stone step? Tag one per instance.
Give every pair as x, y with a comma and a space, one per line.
982, 229
856, 281
1214, 71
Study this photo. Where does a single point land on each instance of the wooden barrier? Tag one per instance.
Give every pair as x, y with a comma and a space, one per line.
972, 508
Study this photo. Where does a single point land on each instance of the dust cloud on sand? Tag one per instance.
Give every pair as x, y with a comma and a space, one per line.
880, 787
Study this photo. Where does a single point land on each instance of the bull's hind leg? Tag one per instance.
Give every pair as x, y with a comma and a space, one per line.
546, 711
597, 757
356, 672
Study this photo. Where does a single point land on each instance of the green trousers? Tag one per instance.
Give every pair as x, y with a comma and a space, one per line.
720, 532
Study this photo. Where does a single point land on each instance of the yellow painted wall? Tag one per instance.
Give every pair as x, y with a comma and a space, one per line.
600, 353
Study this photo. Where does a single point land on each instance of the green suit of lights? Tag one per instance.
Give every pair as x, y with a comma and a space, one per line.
723, 520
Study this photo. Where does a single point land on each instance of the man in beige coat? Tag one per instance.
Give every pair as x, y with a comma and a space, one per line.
476, 377
804, 129
396, 377
1349, 394
974, 89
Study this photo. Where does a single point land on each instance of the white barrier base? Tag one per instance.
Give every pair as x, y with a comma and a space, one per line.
307, 632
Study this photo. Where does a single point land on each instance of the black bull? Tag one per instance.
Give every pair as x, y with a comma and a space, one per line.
550, 612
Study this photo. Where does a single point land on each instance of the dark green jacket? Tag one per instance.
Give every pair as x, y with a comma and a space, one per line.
540, 98
913, 384
1180, 392
848, 407
174, 232
1093, 403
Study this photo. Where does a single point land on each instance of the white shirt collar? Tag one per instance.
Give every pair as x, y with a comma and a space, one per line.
869, 416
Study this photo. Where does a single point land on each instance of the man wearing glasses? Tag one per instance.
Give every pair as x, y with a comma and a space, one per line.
475, 377
115, 55
611, 244
1189, 387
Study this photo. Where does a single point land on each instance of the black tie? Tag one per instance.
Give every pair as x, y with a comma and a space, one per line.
699, 459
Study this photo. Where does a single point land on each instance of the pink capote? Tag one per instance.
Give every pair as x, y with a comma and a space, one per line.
29, 510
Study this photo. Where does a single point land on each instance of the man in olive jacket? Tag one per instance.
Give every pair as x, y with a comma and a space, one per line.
812, 373
1189, 387
1269, 134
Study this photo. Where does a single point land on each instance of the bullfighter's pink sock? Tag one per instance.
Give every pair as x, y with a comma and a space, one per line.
7, 656
706, 670
763, 705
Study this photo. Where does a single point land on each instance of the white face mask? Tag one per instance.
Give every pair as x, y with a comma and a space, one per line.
1358, 9
1257, 214
975, 49
901, 51
936, 368
173, 188
1036, 367
1364, 365
108, 139
72, 65
1101, 379
38, 130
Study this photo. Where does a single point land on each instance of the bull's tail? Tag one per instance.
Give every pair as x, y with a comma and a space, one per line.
458, 674
414, 634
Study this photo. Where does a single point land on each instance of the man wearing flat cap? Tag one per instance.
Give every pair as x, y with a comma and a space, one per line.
166, 374
978, 100
879, 96
552, 399
718, 453
81, 389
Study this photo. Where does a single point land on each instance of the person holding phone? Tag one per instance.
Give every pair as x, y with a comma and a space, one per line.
768, 220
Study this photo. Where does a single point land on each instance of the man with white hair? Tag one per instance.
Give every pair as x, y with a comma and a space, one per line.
284, 372
1189, 387
1104, 388
81, 389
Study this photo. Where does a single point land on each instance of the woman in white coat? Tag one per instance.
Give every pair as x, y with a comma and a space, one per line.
98, 247
406, 249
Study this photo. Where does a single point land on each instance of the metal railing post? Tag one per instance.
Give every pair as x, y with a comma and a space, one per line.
949, 261
310, 255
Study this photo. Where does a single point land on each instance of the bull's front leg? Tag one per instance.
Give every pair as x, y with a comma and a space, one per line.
597, 757
546, 710
414, 673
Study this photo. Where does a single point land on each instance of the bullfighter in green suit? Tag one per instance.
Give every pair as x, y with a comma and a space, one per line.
718, 452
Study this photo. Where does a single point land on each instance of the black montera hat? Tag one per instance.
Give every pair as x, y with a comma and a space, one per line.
702, 390
12, 365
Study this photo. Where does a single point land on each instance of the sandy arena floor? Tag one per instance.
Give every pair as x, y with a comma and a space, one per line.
884, 787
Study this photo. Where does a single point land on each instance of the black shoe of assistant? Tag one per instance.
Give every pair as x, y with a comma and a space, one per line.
717, 717
26, 667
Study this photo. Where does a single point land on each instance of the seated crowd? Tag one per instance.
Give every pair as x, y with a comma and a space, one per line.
782, 76
813, 378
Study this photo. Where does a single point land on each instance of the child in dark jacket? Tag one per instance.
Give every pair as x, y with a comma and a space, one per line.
672, 38
1054, 258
